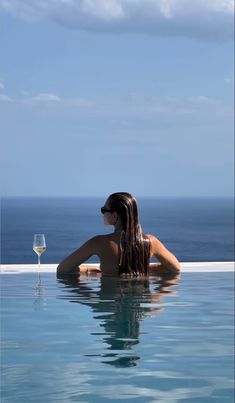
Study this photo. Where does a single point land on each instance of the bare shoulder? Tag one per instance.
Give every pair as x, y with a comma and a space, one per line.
155, 243
166, 258
99, 240
96, 240
157, 247
151, 237
102, 238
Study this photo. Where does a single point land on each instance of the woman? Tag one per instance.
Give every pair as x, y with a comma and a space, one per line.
125, 251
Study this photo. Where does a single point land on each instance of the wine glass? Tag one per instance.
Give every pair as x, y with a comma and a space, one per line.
39, 245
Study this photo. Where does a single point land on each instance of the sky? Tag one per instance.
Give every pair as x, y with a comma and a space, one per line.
98, 96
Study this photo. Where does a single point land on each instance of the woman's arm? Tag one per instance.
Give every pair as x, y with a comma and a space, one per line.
70, 265
168, 262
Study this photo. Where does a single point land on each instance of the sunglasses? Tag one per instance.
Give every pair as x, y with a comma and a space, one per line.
105, 210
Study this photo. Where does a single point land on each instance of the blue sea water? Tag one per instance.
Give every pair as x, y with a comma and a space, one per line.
193, 229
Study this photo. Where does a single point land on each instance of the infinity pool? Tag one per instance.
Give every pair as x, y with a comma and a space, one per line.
102, 340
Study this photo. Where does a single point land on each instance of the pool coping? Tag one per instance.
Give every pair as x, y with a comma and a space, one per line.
190, 267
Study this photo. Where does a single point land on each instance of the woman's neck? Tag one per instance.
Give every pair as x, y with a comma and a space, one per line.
118, 228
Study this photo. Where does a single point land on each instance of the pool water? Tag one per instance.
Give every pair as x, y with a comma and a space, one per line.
102, 340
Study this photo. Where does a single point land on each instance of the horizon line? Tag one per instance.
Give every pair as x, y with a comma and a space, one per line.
103, 196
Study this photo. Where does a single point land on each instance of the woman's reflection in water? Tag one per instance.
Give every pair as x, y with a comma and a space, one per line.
120, 304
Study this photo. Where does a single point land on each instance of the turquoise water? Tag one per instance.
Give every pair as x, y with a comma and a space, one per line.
94, 340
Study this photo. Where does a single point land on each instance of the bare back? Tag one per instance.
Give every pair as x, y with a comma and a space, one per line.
107, 248
109, 251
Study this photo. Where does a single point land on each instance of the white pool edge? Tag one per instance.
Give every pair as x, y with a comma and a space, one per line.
186, 267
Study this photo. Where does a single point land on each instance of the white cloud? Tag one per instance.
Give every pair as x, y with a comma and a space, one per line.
139, 106
209, 19
134, 106
5, 98
44, 97
169, 105
103, 10
47, 98
203, 100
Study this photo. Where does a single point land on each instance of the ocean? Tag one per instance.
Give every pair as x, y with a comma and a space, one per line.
194, 229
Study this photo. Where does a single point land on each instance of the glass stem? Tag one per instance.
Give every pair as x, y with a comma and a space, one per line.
39, 262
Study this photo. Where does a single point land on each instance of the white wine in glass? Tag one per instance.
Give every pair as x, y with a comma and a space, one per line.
39, 245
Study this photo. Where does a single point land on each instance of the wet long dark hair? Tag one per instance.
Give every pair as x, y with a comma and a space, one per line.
135, 245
